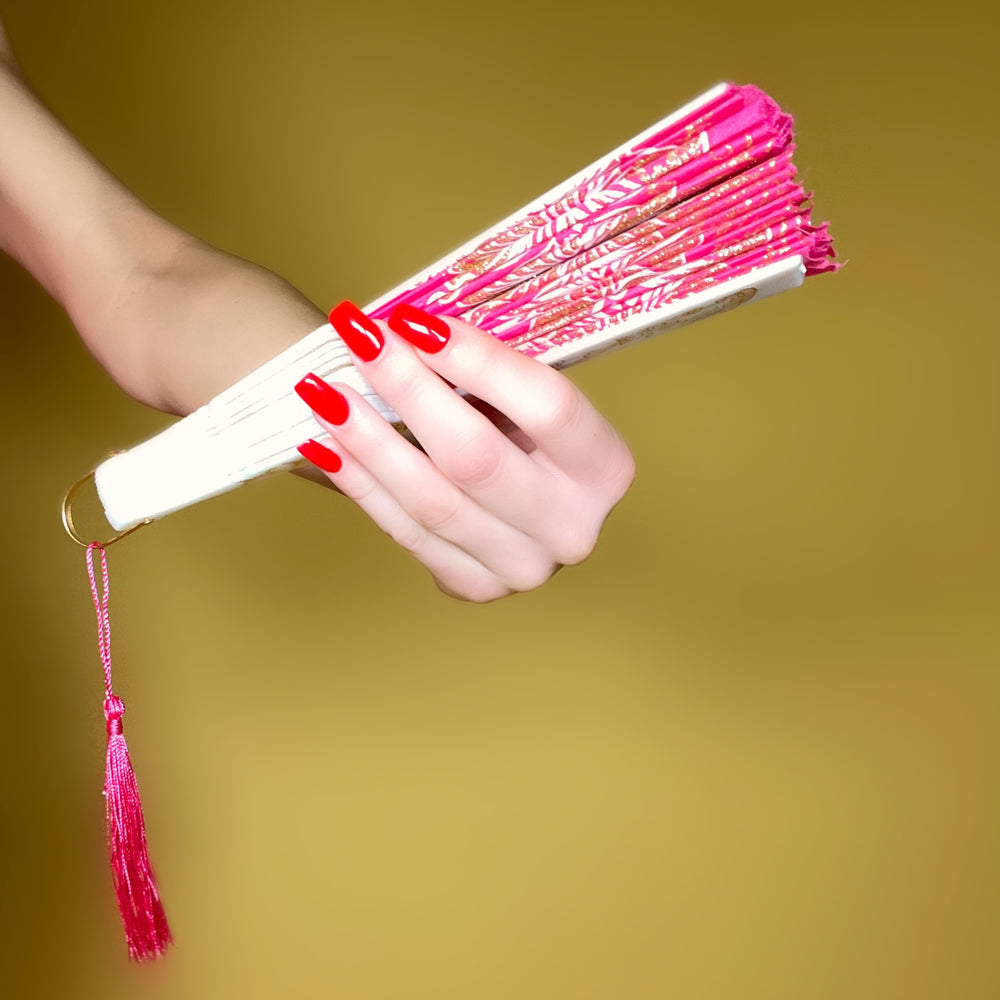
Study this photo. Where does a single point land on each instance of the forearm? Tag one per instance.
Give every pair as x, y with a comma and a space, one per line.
173, 320
61, 215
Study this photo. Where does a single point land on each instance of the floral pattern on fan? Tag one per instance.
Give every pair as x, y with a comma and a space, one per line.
708, 197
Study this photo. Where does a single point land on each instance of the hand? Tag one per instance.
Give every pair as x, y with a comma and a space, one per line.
488, 511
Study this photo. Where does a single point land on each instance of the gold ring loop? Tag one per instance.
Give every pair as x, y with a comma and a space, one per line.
67, 517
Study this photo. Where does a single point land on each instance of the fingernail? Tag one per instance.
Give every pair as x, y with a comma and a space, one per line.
362, 336
327, 459
429, 333
329, 403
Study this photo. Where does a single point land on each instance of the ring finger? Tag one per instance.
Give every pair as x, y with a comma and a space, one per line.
432, 505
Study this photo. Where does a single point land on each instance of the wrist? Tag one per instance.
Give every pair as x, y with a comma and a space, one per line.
190, 320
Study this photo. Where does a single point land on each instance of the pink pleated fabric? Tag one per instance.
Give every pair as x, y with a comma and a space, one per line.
711, 197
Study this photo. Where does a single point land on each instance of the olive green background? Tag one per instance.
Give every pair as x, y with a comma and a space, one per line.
749, 749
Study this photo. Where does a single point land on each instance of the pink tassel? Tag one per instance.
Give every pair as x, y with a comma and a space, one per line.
145, 922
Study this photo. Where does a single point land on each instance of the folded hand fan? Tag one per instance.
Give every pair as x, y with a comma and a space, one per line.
698, 214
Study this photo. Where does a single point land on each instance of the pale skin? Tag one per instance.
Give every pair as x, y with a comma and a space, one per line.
174, 321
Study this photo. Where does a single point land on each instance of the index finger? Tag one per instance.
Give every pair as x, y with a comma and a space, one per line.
547, 406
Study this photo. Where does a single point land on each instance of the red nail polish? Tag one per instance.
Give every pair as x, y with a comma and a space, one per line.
363, 338
429, 333
327, 459
329, 403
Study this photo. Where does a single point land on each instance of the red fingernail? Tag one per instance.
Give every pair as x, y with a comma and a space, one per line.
329, 403
327, 459
363, 338
429, 333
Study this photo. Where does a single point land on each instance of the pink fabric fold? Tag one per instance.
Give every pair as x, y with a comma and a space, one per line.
705, 199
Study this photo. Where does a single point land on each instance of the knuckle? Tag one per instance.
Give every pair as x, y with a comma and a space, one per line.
408, 535
623, 471
603, 486
359, 492
400, 380
531, 575
478, 360
475, 462
559, 408
436, 513
576, 545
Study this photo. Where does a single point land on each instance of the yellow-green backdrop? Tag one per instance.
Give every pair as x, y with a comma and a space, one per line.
748, 750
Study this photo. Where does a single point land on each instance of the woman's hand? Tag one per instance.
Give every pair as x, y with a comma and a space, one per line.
509, 486
489, 509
